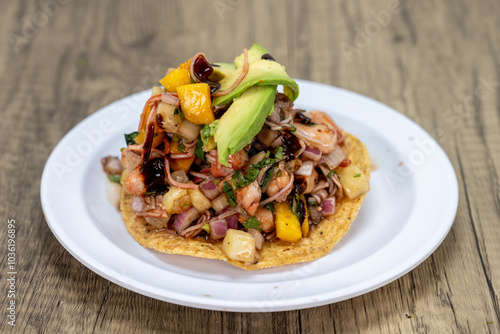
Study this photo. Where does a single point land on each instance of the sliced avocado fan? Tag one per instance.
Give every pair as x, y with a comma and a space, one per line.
243, 120
261, 72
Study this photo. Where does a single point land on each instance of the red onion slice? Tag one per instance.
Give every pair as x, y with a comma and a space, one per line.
334, 159
258, 237
232, 222
184, 219
218, 229
170, 99
209, 189
306, 168
138, 204
328, 206
312, 153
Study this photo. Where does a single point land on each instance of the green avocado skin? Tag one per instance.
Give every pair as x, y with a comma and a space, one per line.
243, 120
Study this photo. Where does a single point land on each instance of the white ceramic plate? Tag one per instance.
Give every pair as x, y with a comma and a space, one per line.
406, 215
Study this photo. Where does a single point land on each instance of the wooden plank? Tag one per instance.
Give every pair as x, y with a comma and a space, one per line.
429, 62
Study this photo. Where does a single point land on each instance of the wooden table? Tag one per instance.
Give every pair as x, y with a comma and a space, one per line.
438, 62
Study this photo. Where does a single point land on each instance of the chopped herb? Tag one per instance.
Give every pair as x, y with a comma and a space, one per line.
184, 205
489, 322
181, 147
243, 180
216, 181
332, 173
231, 197
313, 204
209, 131
115, 178
282, 117
279, 174
279, 153
252, 223
175, 137
324, 164
293, 129
240, 180
409, 316
121, 149
178, 111
206, 227
267, 177
199, 150
269, 206
130, 138
268, 153
357, 175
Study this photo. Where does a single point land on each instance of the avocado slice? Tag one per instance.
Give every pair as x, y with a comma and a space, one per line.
255, 53
261, 72
221, 70
243, 120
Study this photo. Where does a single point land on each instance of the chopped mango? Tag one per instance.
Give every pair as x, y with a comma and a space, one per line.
353, 180
287, 223
178, 77
179, 164
196, 103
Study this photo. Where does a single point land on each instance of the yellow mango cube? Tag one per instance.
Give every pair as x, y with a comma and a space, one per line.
196, 103
287, 223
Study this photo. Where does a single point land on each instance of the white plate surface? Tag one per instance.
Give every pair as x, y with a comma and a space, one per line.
406, 215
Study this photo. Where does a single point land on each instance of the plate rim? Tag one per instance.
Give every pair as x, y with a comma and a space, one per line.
225, 305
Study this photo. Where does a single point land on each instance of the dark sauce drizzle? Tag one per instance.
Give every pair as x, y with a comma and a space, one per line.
291, 146
267, 56
148, 141
153, 172
202, 70
303, 119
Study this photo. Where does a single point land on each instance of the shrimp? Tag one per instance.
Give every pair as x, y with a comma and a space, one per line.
320, 136
249, 197
135, 182
236, 161
323, 118
277, 184
266, 219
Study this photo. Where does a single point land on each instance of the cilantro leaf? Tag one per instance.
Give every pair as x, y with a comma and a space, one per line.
252, 223
178, 111
181, 147
330, 174
199, 150
357, 175
231, 197
209, 131
279, 153
115, 178
130, 138
267, 176
269, 206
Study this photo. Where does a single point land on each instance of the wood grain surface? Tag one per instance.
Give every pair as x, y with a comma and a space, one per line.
438, 62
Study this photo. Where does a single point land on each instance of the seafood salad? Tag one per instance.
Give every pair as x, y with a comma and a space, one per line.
223, 166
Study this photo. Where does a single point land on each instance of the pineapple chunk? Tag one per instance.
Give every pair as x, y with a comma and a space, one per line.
354, 181
199, 201
176, 200
239, 246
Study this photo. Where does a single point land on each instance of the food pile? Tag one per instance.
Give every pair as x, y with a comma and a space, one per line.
222, 166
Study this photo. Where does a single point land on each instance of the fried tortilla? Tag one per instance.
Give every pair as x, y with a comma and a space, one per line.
318, 243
